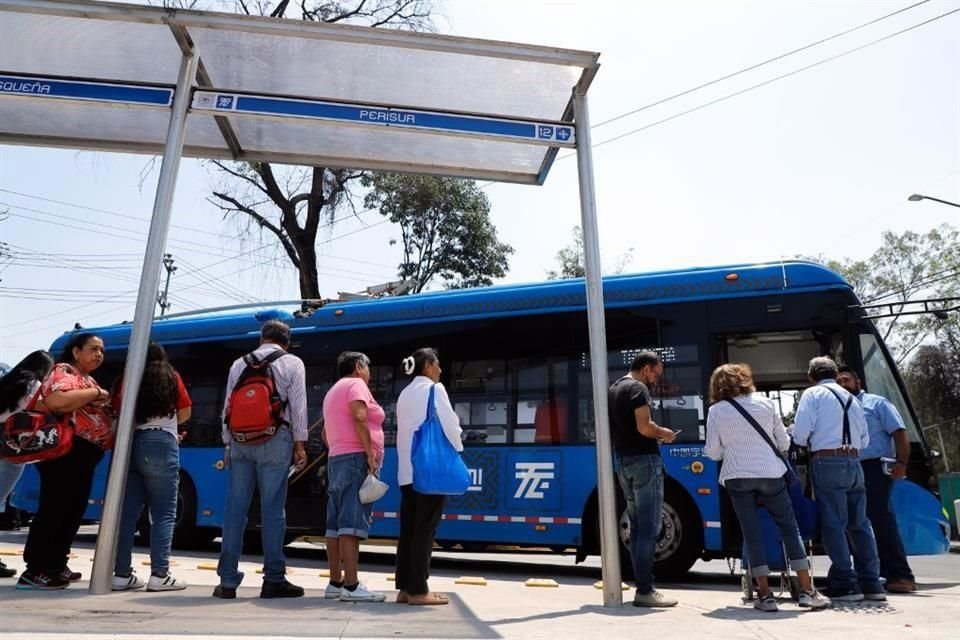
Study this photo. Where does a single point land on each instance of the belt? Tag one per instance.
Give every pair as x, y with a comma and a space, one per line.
837, 453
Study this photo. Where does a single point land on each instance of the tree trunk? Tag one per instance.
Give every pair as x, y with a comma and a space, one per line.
309, 282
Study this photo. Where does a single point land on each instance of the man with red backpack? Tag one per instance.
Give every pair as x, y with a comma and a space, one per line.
264, 429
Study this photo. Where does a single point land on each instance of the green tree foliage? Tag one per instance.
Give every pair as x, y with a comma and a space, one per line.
445, 228
293, 204
909, 266
571, 263
933, 376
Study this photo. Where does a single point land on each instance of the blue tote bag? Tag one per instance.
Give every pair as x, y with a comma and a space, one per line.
437, 466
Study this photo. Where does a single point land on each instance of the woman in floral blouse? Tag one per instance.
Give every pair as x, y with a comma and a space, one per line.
65, 482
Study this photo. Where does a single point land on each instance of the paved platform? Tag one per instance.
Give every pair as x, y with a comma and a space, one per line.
504, 608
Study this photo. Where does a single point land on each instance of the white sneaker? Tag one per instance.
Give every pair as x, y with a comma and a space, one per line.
128, 583
331, 592
360, 594
167, 583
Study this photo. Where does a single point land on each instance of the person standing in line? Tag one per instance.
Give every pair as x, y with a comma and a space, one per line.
420, 513
888, 439
154, 473
635, 439
65, 482
17, 389
264, 465
753, 471
353, 429
830, 422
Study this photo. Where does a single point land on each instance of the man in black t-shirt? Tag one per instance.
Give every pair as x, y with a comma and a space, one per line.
635, 439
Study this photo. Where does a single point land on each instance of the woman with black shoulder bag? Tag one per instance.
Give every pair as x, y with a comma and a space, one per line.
745, 431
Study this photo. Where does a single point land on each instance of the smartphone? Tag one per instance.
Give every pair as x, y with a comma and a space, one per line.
886, 464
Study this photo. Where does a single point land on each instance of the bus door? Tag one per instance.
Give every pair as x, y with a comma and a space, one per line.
779, 361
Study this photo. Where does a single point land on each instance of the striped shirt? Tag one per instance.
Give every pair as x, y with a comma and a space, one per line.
290, 378
744, 452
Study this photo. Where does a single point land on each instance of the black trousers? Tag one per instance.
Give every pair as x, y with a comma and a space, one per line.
419, 518
65, 484
893, 558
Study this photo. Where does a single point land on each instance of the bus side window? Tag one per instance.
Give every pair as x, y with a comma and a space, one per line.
205, 427
478, 391
542, 401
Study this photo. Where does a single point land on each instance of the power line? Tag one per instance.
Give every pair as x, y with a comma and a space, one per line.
770, 81
110, 213
755, 66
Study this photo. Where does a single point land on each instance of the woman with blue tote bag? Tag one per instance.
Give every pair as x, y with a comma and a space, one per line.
423, 406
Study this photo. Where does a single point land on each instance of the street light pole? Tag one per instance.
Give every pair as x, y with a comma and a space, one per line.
918, 197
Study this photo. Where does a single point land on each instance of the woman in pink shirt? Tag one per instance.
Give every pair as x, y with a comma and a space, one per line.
353, 428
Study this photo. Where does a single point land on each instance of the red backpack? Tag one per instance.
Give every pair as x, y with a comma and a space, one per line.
255, 411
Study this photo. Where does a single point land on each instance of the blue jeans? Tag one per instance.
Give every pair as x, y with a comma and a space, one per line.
641, 479
9, 475
262, 466
346, 515
844, 528
744, 494
152, 480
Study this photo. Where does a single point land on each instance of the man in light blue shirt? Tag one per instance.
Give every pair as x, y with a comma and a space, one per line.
831, 423
886, 429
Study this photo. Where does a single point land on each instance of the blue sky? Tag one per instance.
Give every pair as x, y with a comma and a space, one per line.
820, 162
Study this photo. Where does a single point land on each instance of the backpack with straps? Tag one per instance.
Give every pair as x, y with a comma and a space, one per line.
255, 409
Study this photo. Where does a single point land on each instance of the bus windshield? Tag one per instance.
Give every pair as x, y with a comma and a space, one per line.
879, 380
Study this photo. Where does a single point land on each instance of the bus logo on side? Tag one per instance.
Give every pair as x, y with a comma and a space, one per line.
534, 479
476, 479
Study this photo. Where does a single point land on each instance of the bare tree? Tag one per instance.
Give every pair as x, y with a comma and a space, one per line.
291, 204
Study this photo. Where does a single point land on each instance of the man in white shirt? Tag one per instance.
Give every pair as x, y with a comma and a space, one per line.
264, 465
831, 423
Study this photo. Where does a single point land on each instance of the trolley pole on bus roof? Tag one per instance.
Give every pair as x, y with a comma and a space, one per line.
106, 550
606, 512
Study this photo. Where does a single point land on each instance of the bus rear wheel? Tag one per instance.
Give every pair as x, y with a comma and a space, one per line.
186, 533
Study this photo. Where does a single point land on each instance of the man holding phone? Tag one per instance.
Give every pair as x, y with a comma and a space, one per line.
888, 439
636, 439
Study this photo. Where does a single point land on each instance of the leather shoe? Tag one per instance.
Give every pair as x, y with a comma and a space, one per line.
280, 590
226, 593
901, 586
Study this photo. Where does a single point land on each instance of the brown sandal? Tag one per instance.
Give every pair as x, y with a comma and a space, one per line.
428, 598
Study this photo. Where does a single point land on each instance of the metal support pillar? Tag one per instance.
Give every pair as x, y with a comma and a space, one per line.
607, 512
106, 551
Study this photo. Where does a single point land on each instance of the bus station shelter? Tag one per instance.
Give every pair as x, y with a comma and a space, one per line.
100, 76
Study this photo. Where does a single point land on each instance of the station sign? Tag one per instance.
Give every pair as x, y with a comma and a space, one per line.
125, 94
547, 133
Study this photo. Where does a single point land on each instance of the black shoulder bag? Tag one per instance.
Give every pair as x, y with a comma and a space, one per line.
791, 475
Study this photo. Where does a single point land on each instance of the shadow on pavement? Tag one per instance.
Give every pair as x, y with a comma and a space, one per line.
196, 612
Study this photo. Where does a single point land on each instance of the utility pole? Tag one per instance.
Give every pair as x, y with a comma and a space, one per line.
162, 298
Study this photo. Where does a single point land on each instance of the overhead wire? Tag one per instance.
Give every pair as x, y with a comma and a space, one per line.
639, 129
758, 65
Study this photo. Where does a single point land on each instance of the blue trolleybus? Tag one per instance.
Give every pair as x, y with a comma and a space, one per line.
516, 364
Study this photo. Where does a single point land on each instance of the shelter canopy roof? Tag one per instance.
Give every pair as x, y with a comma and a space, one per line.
93, 75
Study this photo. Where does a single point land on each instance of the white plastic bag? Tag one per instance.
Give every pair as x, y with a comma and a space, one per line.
372, 489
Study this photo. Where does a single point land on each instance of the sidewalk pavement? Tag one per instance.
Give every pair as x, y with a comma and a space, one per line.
504, 608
